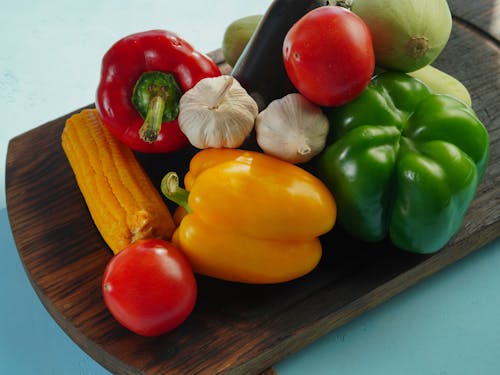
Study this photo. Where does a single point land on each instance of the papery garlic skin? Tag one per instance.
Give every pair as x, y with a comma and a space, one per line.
217, 112
292, 129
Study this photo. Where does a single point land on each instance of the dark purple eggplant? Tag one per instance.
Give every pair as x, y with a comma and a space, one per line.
260, 68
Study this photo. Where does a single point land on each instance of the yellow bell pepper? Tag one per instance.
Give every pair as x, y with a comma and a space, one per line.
250, 217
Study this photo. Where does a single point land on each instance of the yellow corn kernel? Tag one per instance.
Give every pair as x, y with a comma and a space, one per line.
123, 203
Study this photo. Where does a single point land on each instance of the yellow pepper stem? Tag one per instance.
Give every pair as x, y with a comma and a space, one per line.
171, 189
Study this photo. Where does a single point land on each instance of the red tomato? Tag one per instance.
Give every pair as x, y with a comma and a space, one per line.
149, 287
328, 55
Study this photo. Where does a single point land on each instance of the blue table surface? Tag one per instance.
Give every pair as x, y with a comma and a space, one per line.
49, 65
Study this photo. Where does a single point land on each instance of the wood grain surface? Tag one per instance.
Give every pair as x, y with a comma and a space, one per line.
484, 15
235, 328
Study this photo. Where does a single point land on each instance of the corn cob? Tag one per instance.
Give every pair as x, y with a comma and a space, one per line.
123, 203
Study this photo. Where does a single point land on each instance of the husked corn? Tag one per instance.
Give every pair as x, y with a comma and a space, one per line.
123, 203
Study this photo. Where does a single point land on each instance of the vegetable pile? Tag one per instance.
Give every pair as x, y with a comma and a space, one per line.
300, 132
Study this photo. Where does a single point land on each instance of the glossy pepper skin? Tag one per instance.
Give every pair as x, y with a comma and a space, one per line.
252, 218
404, 162
150, 69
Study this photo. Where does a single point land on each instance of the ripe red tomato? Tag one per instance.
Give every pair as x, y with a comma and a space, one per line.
149, 287
328, 55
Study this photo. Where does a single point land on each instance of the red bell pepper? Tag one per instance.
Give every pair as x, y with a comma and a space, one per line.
143, 77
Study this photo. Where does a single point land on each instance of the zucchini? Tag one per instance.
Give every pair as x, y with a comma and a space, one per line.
260, 69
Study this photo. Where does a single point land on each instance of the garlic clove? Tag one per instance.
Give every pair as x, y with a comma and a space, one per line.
292, 129
217, 112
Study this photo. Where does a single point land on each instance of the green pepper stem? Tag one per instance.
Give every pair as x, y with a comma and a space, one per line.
152, 123
171, 189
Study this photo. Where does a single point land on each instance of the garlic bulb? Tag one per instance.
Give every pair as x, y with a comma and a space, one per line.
292, 129
217, 112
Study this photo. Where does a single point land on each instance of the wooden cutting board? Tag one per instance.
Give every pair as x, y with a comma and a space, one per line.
234, 328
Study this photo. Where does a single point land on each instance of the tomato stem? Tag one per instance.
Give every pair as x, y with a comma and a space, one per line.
345, 4
171, 190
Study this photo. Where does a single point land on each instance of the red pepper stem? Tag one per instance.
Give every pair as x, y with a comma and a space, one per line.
152, 123
171, 189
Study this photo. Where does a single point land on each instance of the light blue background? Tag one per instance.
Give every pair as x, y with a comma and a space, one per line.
50, 55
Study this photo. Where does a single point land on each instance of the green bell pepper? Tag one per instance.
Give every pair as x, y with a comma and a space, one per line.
404, 162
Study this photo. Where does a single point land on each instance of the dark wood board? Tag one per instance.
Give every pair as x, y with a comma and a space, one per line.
234, 328
479, 14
